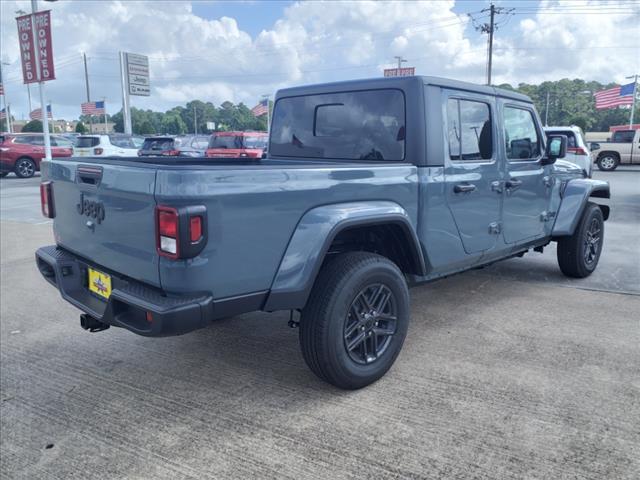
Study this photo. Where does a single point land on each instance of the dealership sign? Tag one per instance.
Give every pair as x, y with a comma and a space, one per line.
137, 72
36, 48
400, 72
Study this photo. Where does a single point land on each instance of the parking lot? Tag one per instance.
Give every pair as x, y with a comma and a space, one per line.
509, 371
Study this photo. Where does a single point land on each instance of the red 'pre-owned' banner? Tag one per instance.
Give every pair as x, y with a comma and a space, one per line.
41, 51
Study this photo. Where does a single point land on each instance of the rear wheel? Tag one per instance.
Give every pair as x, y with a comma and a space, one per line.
608, 162
578, 254
356, 319
25, 167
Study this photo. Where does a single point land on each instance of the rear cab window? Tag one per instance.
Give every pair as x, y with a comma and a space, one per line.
158, 144
623, 136
226, 141
358, 125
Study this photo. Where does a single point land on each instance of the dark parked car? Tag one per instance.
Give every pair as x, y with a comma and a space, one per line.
21, 153
184, 145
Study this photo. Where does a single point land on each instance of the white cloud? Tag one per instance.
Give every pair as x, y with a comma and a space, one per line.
214, 60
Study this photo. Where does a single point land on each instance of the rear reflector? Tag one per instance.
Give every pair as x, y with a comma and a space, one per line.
46, 199
195, 229
98, 151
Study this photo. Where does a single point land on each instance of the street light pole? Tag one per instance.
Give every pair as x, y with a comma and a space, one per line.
43, 107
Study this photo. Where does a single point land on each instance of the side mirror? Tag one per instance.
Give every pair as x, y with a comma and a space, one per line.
556, 148
594, 146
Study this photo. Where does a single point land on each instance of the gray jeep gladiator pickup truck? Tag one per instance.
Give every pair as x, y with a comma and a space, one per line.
369, 187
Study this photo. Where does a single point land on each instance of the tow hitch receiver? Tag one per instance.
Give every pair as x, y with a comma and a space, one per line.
92, 324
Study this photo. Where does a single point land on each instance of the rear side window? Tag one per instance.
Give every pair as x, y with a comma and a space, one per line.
159, 144
122, 141
255, 142
87, 142
363, 125
226, 141
30, 140
61, 142
521, 135
469, 130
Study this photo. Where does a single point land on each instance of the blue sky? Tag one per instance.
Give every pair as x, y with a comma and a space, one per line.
238, 50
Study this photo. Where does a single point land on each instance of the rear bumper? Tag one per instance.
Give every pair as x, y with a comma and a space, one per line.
129, 302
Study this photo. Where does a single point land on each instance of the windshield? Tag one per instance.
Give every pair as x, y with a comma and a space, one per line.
255, 142
87, 142
158, 144
226, 141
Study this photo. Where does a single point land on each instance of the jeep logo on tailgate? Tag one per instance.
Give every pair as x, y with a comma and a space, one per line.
90, 208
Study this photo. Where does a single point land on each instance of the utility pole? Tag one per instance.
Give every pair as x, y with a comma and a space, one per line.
86, 82
546, 111
195, 120
7, 109
490, 28
635, 91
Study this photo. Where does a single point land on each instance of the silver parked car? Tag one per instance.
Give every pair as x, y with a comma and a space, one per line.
577, 149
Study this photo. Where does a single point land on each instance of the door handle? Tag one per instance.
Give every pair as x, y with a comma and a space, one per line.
496, 186
513, 183
464, 188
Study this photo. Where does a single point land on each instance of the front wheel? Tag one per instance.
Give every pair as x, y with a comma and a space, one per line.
25, 167
354, 324
578, 254
608, 162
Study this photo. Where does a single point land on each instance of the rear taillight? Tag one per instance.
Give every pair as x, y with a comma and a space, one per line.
181, 232
98, 151
577, 150
171, 153
168, 229
46, 199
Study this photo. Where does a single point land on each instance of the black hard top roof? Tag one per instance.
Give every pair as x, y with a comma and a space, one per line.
399, 82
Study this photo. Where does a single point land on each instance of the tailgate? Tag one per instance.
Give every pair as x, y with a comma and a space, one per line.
105, 213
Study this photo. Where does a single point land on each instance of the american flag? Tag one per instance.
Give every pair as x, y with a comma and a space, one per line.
93, 108
615, 96
37, 113
261, 108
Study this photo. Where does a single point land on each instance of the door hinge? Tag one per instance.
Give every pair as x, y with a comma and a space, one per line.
495, 228
546, 216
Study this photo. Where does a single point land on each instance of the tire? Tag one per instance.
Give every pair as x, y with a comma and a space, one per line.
25, 167
3, 174
348, 283
578, 254
608, 162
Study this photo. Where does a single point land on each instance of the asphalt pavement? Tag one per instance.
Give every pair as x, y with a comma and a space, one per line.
512, 371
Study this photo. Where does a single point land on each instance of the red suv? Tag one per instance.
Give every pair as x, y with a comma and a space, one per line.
21, 153
237, 144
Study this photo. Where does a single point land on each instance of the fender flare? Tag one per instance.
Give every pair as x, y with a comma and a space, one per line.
575, 197
312, 238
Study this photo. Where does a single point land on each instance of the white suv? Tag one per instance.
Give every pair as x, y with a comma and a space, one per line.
114, 145
578, 152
